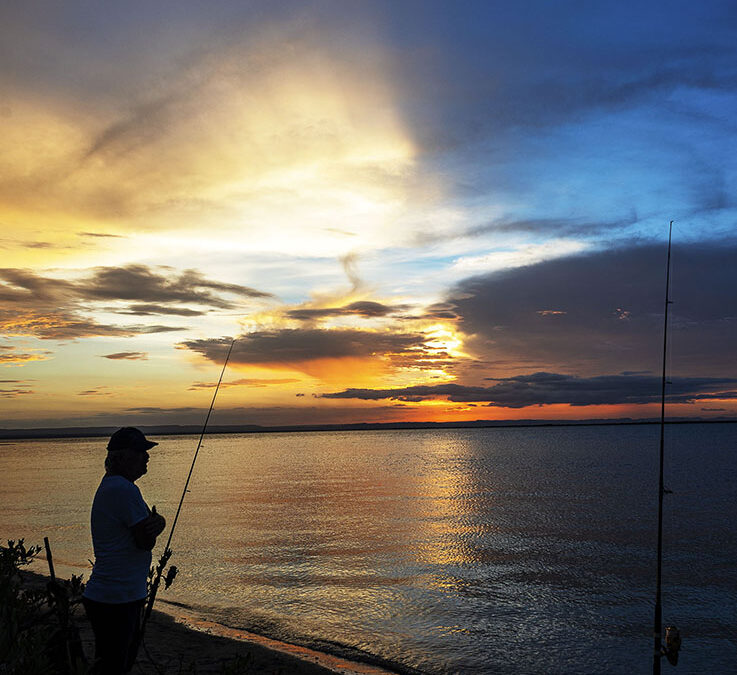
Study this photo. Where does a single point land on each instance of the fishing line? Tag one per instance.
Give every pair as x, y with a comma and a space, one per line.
167, 550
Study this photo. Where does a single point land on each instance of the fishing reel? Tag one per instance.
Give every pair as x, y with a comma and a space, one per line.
171, 573
672, 645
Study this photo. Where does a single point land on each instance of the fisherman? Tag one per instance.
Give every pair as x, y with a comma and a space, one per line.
124, 532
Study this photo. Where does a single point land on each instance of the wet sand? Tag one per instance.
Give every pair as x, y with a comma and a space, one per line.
186, 638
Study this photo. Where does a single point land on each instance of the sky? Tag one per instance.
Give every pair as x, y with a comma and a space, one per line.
401, 211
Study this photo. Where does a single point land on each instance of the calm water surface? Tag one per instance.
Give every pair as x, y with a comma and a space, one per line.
447, 551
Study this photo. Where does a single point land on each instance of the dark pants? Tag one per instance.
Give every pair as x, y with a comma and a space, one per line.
117, 629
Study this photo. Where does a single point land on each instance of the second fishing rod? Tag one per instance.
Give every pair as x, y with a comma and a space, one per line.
166, 555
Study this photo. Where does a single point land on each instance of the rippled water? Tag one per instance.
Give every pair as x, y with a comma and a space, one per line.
527, 550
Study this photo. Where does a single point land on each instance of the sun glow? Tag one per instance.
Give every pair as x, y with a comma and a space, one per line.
444, 341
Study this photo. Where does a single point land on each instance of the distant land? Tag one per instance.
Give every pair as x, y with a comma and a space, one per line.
189, 429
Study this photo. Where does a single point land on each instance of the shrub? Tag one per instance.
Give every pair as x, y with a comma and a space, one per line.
37, 631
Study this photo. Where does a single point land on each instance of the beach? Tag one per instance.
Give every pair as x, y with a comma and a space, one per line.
178, 641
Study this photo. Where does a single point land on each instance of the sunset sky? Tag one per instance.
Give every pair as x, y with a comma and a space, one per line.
404, 211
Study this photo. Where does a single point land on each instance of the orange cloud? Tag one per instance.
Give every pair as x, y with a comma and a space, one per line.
245, 382
19, 358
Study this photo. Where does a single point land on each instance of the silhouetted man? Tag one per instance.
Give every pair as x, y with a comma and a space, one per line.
124, 532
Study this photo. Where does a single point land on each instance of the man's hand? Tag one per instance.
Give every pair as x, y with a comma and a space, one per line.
155, 523
146, 531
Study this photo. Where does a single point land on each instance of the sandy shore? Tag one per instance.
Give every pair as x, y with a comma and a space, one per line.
178, 641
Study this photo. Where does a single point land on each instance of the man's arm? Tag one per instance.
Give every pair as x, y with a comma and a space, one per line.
146, 530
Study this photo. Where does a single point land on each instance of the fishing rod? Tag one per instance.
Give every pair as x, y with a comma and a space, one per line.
672, 637
156, 581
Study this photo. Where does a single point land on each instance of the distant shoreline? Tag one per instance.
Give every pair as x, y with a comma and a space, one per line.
189, 429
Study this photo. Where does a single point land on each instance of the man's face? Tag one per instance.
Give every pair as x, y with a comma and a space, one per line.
135, 464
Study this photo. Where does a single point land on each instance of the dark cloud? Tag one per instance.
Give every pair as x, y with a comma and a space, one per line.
129, 356
53, 308
151, 310
158, 329
98, 391
141, 283
551, 64
365, 308
290, 346
155, 410
23, 286
551, 388
441, 310
132, 282
601, 311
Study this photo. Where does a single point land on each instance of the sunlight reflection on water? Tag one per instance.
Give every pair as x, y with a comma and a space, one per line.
497, 550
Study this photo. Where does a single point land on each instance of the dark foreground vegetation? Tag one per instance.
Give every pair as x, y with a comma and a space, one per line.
38, 632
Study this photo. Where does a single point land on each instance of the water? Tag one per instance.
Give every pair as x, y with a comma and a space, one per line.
527, 550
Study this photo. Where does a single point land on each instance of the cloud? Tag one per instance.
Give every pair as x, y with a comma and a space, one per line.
574, 226
245, 382
53, 308
364, 308
350, 267
29, 244
445, 311
15, 392
22, 388
150, 310
293, 346
552, 388
154, 410
141, 283
16, 358
602, 310
100, 235
129, 356
552, 64
97, 391
131, 282
67, 325
158, 329
298, 412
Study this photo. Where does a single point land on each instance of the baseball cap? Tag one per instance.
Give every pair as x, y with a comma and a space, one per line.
129, 437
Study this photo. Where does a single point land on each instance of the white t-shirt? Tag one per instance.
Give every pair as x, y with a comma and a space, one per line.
121, 568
